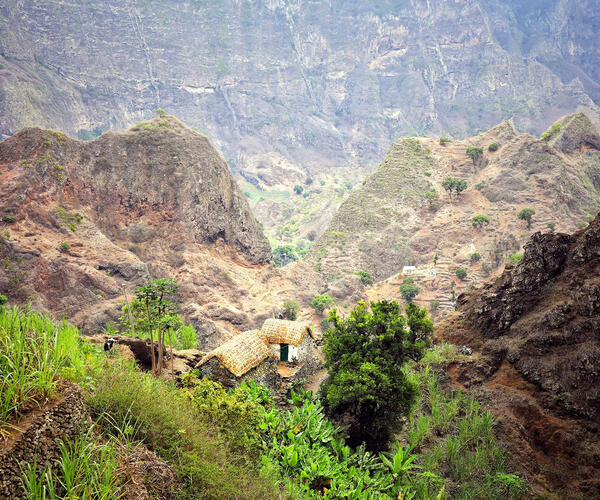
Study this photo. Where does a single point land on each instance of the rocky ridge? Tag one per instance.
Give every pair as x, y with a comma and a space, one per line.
535, 331
401, 215
85, 223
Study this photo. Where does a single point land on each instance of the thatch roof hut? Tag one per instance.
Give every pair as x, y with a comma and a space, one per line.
241, 353
281, 331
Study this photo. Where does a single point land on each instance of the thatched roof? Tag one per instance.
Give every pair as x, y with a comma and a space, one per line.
240, 354
281, 331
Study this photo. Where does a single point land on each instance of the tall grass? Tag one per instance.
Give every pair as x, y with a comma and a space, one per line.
34, 351
86, 469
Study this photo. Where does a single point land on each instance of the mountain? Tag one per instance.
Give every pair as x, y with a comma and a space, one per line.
402, 215
535, 331
85, 223
289, 88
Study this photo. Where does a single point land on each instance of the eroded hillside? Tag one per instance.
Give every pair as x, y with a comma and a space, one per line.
403, 216
83, 224
536, 335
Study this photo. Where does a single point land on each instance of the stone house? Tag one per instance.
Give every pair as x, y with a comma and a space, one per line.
259, 355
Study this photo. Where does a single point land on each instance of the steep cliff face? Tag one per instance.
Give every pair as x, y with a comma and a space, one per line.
287, 88
403, 216
85, 223
536, 334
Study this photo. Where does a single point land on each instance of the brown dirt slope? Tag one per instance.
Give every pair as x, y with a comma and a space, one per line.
536, 334
154, 201
403, 216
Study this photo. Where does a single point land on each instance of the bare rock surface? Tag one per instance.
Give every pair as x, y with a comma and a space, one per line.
535, 332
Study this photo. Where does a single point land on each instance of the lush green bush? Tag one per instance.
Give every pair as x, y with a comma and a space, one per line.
480, 220
284, 255
433, 305
493, 146
408, 289
475, 257
551, 132
364, 355
321, 302
365, 277
444, 140
461, 273
527, 214
453, 184
308, 181
551, 226
291, 308
475, 153
64, 246
298, 189
515, 258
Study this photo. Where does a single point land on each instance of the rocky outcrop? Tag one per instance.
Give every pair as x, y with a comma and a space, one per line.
536, 335
35, 439
85, 223
402, 215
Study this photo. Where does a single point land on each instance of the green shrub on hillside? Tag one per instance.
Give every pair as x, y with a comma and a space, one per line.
365, 277
298, 189
475, 257
527, 214
551, 132
284, 255
461, 273
515, 258
444, 140
291, 308
493, 146
453, 184
321, 302
480, 220
475, 153
408, 289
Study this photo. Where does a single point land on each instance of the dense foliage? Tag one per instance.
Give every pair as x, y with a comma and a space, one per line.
321, 302
364, 355
408, 289
451, 184
365, 277
284, 255
475, 153
527, 214
291, 308
480, 220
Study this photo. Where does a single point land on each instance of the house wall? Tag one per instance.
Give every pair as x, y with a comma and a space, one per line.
266, 374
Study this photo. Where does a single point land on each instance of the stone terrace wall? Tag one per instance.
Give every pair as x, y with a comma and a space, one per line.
60, 419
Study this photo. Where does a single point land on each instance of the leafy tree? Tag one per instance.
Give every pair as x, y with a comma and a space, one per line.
444, 140
475, 153
160, 112
475, 257
408, 289
284, 255
364, 355
461, 274
321, 302
493, 147
308, 181
365, 277
298, 189
515, 258
526, 214
433, 305
291, 308
453, 184
479, 220
154, 298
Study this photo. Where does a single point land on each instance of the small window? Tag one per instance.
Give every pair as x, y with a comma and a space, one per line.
284, 352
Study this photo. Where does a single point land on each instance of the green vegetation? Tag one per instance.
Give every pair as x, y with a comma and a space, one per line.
551, 226
554, 129
475, 257
70, 219
444, 140
308, 181
453, 184
291, 308
480, 220
526, 214
434, 305
284, 255
321, 302
475, 153
461, 273
364, 355
64, 247
9, 219
217, 440
408, 289
515, 258
160, 112
493, 147
298, 189
365, 277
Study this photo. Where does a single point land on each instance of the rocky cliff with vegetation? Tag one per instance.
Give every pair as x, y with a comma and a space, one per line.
287, 88
85, 223
405, 213
536, 335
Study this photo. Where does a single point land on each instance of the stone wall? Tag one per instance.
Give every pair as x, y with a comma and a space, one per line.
266, 374
60, 419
